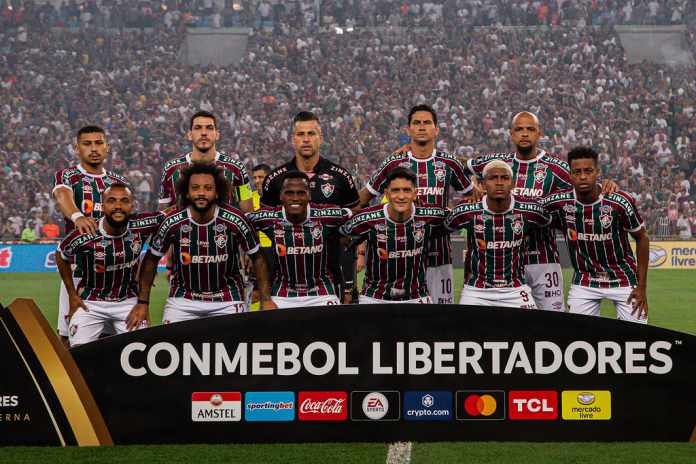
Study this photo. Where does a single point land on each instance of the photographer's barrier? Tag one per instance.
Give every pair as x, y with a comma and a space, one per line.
355, 373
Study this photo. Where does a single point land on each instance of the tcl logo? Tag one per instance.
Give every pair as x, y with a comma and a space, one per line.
322, 406
533, 405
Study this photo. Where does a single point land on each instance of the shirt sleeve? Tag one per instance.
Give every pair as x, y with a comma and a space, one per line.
270, 190
162, 239
630, 218
355, 227
62, 180
377, 181
460, 177
70, 245
166, 196
245, 235
458, 218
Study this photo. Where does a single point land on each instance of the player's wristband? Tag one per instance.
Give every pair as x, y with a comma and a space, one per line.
146, 302
75, 216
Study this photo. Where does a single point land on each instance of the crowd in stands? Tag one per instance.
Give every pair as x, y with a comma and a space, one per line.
642, 117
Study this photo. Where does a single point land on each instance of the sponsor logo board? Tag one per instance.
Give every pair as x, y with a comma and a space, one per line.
428, 406
322, 406
480, 405
216, 406
586, 404
271, 406
533, 405
375, 405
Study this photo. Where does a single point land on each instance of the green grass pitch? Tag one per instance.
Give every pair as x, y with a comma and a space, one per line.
671, 296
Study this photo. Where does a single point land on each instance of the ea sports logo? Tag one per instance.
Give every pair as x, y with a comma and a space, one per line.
483, 405
375, 405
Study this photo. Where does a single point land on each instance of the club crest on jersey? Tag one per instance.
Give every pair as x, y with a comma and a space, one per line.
328, 189
316, 233
440, 174
186, 228
570, 209
517, 227
539, 174
221, 240
418, 234
136, 246
605, 220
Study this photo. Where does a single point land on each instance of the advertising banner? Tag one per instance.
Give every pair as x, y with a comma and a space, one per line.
383, 374
673, 255
36, 257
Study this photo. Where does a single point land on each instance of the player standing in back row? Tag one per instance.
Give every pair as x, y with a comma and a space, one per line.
597, 227
536, 174
78, 192
204, 135
436, 172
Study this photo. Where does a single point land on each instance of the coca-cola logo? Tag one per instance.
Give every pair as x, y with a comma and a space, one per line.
323, 406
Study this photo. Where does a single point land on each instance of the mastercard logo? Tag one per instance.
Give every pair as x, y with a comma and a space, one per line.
87, 206
382, 253
281, 250
480, 405
185, 258
481, 244
572, 235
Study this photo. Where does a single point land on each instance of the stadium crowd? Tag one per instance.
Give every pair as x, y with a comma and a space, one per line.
640, 117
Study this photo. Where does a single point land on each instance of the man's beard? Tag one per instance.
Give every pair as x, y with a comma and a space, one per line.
526, 150
204, 149
203, 210
117, 224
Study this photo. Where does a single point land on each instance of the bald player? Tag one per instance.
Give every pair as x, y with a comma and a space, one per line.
536, 174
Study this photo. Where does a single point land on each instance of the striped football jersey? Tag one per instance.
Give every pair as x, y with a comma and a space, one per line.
87, 190
394, 257
109, 264
235, 172
205, 257
301, 250
597, 237
436, 175
535, 178
496, 241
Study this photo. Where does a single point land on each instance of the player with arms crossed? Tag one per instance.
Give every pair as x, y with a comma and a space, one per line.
496, 230
204, 135
78, 192
205, 234
301, 232
108, 262
398, 235
436, 172
597, 227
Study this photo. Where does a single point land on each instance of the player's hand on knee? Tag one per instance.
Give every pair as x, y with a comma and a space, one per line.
638, 300
139, 314
86, 225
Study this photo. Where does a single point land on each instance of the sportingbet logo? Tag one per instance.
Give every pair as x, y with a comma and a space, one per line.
216, 406
586, 405
269, 406
533, 405
322, 406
